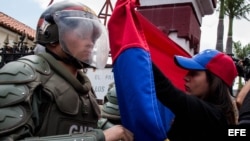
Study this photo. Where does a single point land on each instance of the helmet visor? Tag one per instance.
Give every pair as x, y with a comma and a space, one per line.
83, 36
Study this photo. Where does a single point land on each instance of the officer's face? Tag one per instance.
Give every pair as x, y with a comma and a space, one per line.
79, 46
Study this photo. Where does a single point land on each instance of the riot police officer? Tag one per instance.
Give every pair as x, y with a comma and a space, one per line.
47, 96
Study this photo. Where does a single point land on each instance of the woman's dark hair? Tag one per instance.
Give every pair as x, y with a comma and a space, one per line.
219, 95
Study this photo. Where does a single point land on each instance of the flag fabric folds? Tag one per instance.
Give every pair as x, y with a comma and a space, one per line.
135, 45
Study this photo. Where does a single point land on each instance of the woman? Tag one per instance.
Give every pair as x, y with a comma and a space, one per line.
205, 110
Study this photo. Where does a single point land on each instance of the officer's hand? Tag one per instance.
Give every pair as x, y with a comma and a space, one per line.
118, 133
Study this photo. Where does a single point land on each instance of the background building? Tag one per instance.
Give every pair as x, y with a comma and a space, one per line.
14, 30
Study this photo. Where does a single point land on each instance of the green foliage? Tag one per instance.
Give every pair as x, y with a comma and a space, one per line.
237, 9
241, 52
234, 9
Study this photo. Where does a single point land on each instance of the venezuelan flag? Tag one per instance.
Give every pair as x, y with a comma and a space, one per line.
135, 45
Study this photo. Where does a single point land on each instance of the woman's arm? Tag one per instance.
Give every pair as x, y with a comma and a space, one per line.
168, 94
242, 94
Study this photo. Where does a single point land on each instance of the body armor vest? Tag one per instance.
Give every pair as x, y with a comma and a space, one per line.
64, 109
59, 102
70, 103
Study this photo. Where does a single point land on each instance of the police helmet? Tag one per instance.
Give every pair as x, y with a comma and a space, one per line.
69, 21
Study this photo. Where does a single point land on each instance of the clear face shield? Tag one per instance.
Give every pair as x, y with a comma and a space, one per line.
83, 37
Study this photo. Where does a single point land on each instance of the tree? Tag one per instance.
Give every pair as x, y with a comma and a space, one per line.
241, 53
220, 27
234, 9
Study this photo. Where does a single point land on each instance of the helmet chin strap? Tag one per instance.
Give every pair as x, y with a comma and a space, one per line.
69, 60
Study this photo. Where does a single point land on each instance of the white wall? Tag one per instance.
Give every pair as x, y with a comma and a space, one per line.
100, 80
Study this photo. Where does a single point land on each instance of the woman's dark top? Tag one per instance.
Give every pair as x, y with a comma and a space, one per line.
244, 112
195, 119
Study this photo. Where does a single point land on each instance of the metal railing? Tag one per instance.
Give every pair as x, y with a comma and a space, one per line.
19, 49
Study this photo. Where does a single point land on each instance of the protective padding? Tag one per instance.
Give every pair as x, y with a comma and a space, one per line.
13, 117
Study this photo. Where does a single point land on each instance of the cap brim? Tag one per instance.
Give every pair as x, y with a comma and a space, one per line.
188, 63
